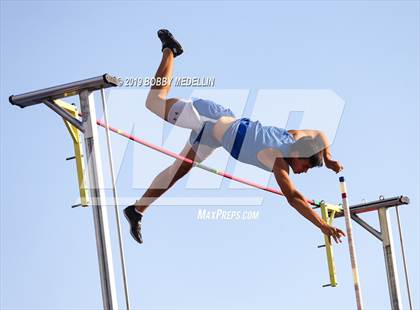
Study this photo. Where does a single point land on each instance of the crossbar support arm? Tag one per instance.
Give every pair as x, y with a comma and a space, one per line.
366, 226
64, 114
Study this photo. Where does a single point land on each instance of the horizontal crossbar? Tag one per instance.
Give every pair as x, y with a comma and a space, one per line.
375, 205
64, 90
191, 162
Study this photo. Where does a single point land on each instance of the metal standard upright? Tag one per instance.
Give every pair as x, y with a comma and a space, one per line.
385, 236
88, 126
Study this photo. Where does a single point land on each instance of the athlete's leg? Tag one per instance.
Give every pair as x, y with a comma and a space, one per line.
157, 100
179, 112
165, 180
168, 177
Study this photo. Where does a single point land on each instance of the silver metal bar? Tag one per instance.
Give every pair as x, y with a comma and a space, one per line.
375, 205
407, 280
64, 90
64, 114
366, 226
390, 262
99, 207
116, 203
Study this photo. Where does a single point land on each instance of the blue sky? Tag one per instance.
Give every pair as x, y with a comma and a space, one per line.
365, 52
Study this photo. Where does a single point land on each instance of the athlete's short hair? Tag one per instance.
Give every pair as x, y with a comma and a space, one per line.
309, 148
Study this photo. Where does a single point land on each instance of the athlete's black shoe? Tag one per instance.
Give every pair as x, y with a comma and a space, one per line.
168, 41
134, 219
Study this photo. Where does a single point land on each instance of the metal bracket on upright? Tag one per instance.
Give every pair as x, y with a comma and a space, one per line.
67, 117
328, 212
78, 150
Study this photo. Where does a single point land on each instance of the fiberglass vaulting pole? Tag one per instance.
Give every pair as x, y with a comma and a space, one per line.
352, 247
407, 280
116, 202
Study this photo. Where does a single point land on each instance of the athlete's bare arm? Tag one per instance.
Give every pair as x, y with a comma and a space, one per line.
298, 201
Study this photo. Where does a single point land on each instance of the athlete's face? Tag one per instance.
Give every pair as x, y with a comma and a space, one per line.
300, 165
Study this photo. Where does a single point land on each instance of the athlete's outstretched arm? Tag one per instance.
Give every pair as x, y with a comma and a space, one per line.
298, 201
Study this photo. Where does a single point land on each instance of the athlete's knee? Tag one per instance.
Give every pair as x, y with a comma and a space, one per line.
155, 102
180, 168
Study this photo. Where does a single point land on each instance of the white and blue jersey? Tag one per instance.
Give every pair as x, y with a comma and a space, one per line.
244, 139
